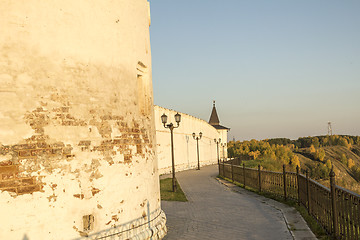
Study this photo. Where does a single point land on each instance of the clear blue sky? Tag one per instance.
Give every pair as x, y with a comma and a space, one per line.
275, 68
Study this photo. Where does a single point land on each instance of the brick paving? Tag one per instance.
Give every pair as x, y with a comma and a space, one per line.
214, 211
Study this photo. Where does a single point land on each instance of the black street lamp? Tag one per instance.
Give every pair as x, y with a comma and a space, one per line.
217, 145
197, 141
171, 127
223, 146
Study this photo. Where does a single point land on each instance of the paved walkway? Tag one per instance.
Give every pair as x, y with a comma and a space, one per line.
224, 211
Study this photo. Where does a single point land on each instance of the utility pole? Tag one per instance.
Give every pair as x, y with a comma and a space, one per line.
329, 129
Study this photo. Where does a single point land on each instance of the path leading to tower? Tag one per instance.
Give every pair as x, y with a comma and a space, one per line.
216, 211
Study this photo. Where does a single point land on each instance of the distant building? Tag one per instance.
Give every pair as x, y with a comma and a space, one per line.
215, 122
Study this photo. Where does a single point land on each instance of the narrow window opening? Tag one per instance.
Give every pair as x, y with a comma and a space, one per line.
143, 89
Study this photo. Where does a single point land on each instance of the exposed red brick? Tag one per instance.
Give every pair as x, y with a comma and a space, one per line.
138, 149
115, 218
29, 180
12, 189
52, 197
81, 196
6, 163
8, 184
7, 176
94, 191
127, 158
9, 169
28, 189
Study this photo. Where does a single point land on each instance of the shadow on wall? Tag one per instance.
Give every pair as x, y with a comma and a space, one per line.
187, 150
153, 227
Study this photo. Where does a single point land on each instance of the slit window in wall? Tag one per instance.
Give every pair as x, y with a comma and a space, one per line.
88, 221
143, 89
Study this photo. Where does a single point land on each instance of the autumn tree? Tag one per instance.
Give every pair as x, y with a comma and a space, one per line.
325, 141
255, 154
321, 171
320, 154
312, 149
357, 140
350, 163
315, 142
356, 172
343, 159
344, 142
295, 161
328, 164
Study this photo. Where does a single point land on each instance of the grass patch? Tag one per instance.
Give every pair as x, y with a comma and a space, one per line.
268, 164
311, 222
166, 191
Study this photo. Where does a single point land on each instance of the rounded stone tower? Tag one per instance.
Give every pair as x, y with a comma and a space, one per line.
77, 134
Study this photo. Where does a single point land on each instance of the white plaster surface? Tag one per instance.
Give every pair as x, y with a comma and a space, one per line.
185, 147
68, 73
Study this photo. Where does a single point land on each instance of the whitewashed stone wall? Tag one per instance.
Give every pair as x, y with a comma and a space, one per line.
185, 149
77, 136
223, 133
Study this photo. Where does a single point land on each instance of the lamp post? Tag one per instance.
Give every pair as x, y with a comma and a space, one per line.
217, 145
223, 146
171, 127
197, 141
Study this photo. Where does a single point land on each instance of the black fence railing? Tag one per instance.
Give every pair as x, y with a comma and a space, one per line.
336, 209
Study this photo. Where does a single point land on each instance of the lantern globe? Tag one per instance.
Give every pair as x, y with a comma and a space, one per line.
164, 118
177, 118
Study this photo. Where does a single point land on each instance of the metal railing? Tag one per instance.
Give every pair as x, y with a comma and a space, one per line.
336, 209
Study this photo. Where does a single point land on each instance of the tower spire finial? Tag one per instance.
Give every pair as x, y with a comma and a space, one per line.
214, 103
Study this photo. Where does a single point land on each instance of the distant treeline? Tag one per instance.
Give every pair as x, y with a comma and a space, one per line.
273, 153
318, 141
272, 156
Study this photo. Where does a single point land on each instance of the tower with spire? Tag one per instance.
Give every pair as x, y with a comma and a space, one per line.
215, 122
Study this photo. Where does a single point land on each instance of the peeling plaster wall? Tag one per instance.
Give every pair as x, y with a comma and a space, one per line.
185, 147
77, 134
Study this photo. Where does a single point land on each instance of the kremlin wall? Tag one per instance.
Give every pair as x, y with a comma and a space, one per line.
185, 146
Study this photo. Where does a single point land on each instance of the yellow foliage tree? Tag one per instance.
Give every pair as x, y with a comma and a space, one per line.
344, 159
295, 160
344, 142
255, 154
328, 164
312, 149
350, 163
320, 154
